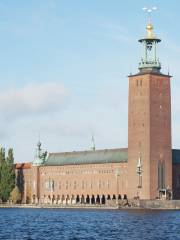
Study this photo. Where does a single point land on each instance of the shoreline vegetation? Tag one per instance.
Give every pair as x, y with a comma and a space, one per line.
8, 187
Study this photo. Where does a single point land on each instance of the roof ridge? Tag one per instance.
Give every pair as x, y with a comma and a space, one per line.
88, 151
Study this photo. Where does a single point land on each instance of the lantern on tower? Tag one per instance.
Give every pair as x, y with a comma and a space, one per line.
149, 60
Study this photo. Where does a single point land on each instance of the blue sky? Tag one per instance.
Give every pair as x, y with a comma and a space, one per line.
64, 67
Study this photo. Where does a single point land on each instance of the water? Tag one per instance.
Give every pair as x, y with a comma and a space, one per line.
76, 224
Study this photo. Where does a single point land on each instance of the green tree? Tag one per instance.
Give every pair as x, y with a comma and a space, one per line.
2, 156
2, 161
10, 157
7, 174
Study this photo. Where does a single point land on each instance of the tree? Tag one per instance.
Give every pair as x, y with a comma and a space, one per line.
2, 156
10, 157
4, 185
11, 169
2, 161
7, 174
15, 195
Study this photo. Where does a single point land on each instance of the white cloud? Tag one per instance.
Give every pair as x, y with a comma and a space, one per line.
31, 99
104, 115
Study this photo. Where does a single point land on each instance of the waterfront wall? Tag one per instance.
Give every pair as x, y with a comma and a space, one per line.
129, 205
159, 204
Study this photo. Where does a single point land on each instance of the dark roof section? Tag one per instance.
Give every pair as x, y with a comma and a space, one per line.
22, 165
176, 156
88, 157
150, 72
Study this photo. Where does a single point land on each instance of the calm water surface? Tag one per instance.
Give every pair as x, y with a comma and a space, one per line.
88, 224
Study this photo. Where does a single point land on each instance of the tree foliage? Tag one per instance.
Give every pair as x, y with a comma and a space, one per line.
10, 157
7, 174
15, 195
2, 156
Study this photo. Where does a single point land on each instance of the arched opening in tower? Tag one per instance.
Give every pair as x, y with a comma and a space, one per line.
103, 201
92, 199
87, 199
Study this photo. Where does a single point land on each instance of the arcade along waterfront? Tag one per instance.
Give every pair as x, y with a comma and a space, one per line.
73, 224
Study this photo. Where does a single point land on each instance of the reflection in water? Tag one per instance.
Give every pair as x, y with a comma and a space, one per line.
37, 224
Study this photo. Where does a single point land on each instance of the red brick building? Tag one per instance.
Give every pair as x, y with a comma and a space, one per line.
148, 169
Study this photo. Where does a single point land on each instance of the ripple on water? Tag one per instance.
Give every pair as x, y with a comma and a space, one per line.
72, 224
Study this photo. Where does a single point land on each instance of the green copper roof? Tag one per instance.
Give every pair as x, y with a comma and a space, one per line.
96, 157
176, 156
87, 157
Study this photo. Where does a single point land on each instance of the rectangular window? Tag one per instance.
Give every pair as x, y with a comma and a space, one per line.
82, 184
161, 175
66, 184
137, 83
49, 185
108, 184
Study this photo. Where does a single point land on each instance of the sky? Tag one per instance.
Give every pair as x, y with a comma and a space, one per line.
64, 67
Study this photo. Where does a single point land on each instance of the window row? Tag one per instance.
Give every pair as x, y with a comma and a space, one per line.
81, 172
50, 185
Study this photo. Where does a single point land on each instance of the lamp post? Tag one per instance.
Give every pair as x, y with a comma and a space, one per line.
51, 189
117, 173
139, 173
25, 193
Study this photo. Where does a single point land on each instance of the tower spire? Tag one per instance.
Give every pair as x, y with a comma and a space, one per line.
149, 11
149, 61
93, 143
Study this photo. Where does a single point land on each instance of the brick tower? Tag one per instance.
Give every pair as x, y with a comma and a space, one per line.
149, 126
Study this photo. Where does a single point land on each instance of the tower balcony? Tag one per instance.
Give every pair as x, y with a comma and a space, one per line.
154, 66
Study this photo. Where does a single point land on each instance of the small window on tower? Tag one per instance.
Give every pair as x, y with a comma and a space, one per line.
137, 83
158, 83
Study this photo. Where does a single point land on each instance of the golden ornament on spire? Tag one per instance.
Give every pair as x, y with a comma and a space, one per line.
149, 26
149, 29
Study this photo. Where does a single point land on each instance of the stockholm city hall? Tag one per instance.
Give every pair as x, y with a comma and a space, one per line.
148, 169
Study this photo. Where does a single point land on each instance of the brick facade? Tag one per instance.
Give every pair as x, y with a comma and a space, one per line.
149, 133
23, 173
